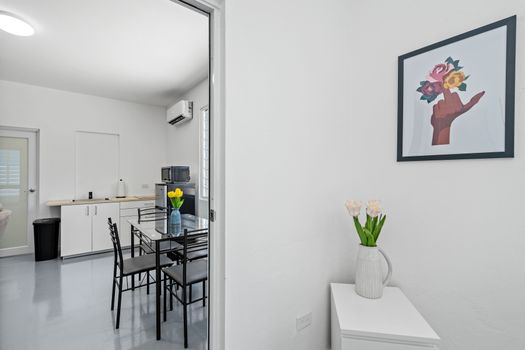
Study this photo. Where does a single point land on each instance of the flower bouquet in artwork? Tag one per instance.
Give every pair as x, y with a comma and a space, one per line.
369, 282
444, 82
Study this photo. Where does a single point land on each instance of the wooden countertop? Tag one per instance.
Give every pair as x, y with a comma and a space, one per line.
59, 203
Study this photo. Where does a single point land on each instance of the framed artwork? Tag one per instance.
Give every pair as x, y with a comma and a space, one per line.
456, 97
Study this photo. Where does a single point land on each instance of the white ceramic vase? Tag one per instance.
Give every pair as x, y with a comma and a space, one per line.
369, 281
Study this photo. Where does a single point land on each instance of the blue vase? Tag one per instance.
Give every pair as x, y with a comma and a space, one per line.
175, 227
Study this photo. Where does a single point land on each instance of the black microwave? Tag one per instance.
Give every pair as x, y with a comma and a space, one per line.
171, 174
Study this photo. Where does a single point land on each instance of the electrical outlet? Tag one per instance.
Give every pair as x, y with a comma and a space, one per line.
145, 185
304, 321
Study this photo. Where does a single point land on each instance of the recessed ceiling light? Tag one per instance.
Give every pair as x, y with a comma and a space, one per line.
15, 25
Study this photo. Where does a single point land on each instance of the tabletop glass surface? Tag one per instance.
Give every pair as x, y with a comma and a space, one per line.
189, 222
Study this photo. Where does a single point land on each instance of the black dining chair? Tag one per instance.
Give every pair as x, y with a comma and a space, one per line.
186, 274
128, 267
148, 214
197, 254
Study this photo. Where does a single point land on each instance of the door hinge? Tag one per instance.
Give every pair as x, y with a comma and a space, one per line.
212, 215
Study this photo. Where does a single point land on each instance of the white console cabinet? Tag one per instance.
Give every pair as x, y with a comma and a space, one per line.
389, 323
84, 228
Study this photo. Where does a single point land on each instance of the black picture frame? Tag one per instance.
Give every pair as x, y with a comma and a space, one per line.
508, 152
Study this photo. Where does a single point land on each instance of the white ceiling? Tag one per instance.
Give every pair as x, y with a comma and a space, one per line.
145, 51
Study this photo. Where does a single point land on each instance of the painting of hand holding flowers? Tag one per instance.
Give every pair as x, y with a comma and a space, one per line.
441, 80
456, 97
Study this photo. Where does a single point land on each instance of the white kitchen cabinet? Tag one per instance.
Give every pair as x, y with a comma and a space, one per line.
85, 228
100, 228
389, 323
75, 232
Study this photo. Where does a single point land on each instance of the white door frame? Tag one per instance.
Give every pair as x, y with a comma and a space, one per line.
32, 183
216, 316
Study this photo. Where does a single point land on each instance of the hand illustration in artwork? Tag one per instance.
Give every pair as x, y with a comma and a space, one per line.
446, 111
441, 80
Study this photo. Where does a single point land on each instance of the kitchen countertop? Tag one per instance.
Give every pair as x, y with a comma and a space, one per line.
59, 203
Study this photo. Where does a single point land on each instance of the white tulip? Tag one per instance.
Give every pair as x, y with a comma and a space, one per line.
354, 207
373, 208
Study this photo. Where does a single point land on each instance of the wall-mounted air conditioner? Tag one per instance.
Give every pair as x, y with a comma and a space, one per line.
180, 112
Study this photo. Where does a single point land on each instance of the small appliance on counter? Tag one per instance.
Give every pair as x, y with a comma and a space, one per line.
172, 174
121, 189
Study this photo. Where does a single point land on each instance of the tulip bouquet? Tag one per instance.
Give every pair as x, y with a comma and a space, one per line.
176, 198
369, 233
444, 76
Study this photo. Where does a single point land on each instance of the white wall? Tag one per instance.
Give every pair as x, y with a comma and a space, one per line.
329, 70
287, 169
58, 114
183, 139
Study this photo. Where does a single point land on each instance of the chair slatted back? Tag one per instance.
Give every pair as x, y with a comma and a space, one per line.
151, 214
197, 240
115, 239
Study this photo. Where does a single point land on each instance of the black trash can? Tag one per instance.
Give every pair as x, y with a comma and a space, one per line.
46, 238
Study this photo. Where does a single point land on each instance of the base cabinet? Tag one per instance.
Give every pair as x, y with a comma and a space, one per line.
100, 229
85, 228
75, 232
389, 323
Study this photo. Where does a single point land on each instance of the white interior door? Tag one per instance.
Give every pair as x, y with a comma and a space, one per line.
18, 192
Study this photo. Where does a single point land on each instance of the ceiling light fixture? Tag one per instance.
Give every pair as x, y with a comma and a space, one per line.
15, 25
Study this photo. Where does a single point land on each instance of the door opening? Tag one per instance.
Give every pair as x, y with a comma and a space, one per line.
18, 191
214, 113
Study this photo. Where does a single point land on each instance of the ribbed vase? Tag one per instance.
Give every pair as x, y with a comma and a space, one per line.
369, 273
175, 222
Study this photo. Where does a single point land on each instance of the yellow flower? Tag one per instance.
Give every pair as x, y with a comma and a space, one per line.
453, 80
171, 194
178, 193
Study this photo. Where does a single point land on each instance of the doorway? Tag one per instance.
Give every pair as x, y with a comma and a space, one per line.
215, 115
18, 191
212, 189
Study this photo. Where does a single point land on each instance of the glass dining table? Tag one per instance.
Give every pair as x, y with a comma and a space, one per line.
155, 242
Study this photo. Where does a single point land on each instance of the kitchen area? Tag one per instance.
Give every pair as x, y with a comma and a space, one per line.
91, 149
84, 221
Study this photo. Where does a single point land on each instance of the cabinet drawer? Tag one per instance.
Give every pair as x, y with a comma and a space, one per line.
128, 212
382, 344
137, 204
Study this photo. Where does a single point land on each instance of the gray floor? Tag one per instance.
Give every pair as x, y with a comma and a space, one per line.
66, 305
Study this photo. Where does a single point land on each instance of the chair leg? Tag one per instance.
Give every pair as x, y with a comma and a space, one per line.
165, 293
185, 312
140, 254
147, 282
113, 288
191, 292
203, 293
119, 301
171, 294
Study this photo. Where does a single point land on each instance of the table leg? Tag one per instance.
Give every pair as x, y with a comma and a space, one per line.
157, 286
132, 255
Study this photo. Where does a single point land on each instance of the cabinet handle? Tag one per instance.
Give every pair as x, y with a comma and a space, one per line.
96, 210
87, 210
